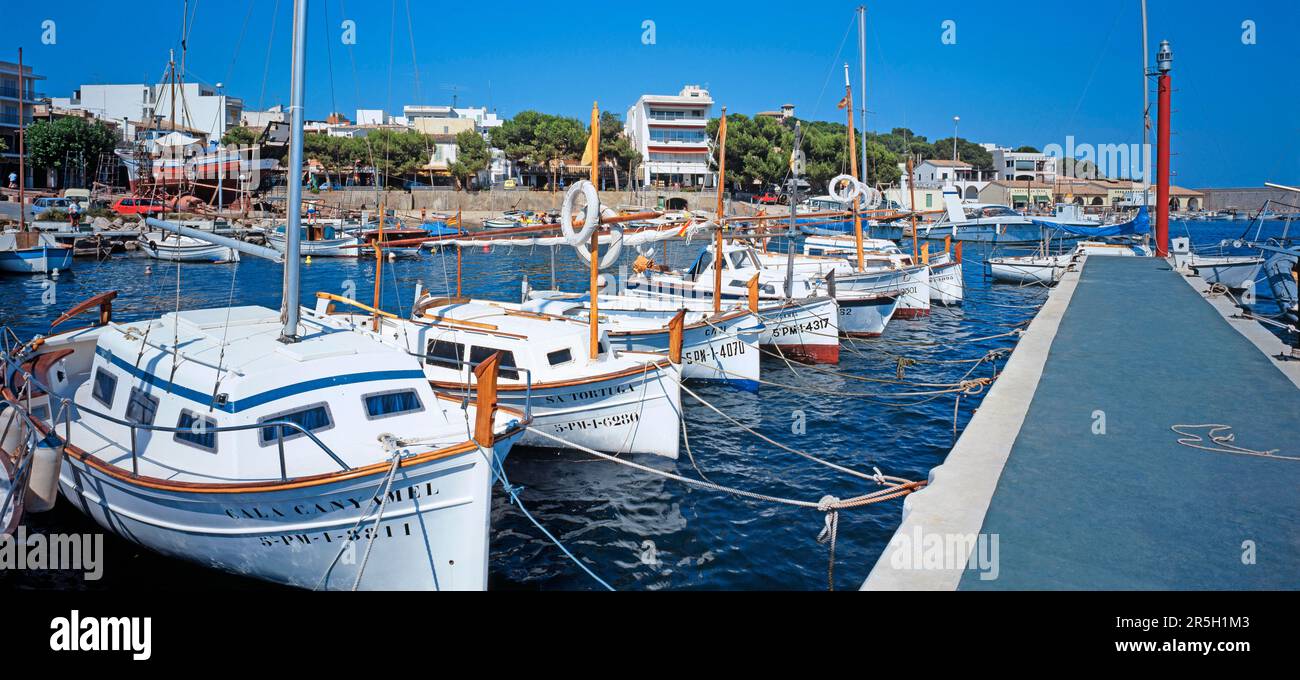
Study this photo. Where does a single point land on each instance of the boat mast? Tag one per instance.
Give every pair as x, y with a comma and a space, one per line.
862, 63
717, 243
853, 169
594, 321
794, 204
1146, 109
289, 299
22, 150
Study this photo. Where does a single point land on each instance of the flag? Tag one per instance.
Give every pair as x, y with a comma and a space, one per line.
844, 103
592, 154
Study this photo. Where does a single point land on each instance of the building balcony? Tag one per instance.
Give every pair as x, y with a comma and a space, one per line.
11, 92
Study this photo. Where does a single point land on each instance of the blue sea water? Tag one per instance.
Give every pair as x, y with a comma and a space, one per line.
637, 531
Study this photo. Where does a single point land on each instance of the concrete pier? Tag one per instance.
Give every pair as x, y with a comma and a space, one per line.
1070, 477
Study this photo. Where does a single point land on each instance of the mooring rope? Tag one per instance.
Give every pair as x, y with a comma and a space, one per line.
1222, 442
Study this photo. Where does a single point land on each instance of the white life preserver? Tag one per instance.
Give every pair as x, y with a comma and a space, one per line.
869, 198
611, 254
591, 214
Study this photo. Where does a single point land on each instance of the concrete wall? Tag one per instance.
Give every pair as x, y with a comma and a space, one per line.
1247, 198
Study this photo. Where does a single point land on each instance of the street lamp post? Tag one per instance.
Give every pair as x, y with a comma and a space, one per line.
955, 120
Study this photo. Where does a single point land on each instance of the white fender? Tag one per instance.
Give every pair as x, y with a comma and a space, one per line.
43, 484
591, 216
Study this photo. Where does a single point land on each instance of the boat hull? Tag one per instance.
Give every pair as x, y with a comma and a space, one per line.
41, 259
335, 247
947, 286
198, 251
804, 330
725, 351
1028, 269
1236, 273
635, 412
433, 534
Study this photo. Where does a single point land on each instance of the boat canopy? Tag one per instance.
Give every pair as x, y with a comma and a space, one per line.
1140, 224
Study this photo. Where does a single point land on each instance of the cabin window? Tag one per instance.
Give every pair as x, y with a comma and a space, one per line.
197, 431
560, 356
387, 404
698, 268
505, 369
105, 384
444, 353
141, 407
312, 419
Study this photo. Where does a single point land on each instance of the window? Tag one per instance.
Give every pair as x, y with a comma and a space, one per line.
141, 407
929, 200
386, 404
560, 356
506, 369
312, 419
105, 384
444, 353
197, 431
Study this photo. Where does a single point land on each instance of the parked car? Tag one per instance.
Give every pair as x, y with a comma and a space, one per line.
41, 206
81, 196
139, 206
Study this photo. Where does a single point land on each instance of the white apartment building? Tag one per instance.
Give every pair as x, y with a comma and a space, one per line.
9, 100
197, 107
260, 119
1022, 165
936, 173
671, 134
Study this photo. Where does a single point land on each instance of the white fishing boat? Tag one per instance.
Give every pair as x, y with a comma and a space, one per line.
265, 443
863, 312
615, 402
177, 248
318, 241
945, 278
908, 284
203, 437
988, 223
720, 347
1112, 249
1030, 269
31, 252
1236, 272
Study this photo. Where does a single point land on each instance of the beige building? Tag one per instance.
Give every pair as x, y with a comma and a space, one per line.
1017, 194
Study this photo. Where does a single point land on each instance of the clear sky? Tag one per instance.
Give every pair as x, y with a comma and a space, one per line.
1019, 72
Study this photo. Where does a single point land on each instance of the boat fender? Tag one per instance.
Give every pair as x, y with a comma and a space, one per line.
591, 213
43, 482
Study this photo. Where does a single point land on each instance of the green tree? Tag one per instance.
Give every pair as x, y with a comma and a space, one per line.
239, 136
53, 144
472, 157
1026, 149
616, 148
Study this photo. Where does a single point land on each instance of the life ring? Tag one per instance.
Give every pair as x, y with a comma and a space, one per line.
591, 216
851, 191
611, 254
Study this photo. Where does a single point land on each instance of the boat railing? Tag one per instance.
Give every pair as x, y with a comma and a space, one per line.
471, 365
66, 404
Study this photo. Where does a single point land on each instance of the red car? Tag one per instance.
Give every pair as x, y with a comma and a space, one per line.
139, 206
767, 199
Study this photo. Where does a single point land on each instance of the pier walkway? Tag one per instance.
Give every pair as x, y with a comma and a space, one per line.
1071, 462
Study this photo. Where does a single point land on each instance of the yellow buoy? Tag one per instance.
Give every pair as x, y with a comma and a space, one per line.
309, 259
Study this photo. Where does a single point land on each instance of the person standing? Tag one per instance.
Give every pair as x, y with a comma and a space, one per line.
74, 214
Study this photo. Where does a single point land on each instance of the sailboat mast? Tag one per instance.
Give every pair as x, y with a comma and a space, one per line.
289, 309
722, 209
594, 322
1146, 108
794, 208
853, 169
22, 149
862, 63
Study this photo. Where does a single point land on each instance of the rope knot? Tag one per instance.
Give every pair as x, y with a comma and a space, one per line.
828, 503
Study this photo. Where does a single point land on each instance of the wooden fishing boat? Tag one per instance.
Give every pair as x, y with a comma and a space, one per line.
176, 248
30, 252
616, 401
1030, 269
318, 241
720, 347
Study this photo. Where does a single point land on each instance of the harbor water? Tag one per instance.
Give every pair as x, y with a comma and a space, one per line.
637, 531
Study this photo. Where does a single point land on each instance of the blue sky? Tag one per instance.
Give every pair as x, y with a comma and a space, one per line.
1019, 73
